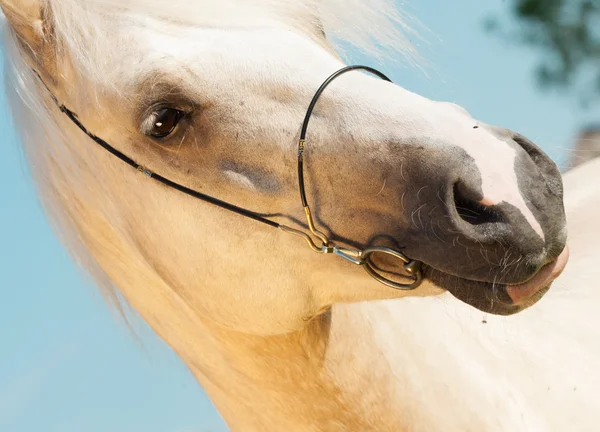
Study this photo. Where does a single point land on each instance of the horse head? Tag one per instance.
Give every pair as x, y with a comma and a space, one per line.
214, 102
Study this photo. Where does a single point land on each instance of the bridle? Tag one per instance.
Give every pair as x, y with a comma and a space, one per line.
318, 242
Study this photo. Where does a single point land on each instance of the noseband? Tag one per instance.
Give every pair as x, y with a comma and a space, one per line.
318, 242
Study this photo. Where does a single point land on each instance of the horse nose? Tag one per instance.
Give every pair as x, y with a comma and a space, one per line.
512, 210
500, 218
485, 221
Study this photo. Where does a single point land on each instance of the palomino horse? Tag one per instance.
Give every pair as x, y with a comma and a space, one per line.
205, 100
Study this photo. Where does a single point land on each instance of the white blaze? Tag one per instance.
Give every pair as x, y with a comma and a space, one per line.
499, 179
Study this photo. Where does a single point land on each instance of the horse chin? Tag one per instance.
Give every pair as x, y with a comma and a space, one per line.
485, 296
500, 299
494, 299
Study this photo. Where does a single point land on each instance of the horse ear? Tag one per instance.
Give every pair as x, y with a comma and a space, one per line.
29, 21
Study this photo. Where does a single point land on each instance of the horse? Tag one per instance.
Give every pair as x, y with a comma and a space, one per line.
168, 147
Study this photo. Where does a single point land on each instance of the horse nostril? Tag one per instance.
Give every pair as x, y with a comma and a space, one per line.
471, 211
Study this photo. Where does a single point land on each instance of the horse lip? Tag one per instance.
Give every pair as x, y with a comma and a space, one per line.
495, 298
521, 293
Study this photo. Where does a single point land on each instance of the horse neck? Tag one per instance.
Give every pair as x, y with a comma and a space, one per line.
372, 366
414, 363
285, 382
328, 376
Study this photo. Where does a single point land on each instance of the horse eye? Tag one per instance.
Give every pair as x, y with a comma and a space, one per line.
164, 122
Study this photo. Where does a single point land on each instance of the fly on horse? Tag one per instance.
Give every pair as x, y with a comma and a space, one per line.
170, 143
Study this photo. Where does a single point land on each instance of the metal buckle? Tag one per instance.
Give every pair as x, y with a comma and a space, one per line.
361, 258
411, 267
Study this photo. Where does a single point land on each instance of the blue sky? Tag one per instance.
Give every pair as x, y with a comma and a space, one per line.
66, 364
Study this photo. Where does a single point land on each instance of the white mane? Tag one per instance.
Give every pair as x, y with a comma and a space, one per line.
83, 30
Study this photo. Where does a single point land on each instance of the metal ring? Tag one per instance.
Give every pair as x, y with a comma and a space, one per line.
413, 268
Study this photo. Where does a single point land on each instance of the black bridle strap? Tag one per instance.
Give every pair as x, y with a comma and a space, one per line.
359, 257
193, 193
199, 195
309, 112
